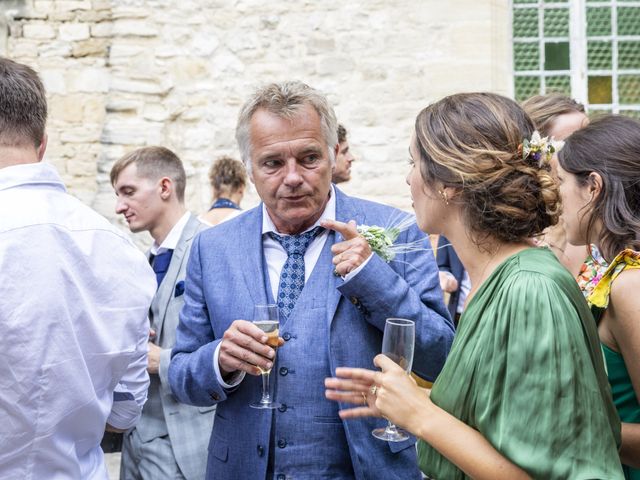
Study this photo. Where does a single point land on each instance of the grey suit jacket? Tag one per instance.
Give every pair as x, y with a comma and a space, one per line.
189, 427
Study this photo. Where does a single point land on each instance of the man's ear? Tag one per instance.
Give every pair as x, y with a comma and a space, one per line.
43, 147
166, 188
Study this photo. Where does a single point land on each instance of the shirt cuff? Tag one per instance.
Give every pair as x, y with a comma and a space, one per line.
236, 378
353, 273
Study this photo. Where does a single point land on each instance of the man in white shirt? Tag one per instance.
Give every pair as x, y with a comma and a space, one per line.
170, 440
74, 297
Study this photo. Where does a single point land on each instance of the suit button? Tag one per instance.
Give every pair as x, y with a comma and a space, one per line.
281, 477
286, 336
282, 443
215, 396
284, 371
282, 408
260, 451
354, 300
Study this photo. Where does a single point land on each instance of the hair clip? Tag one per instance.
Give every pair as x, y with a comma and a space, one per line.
540, 149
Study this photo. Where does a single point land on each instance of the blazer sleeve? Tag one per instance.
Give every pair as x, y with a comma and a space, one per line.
442, 255
407, 287
191, 373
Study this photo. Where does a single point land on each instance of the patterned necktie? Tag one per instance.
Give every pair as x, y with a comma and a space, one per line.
160, 264
292, 275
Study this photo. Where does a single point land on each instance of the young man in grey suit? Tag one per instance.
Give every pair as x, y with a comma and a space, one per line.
333, 295
170, 440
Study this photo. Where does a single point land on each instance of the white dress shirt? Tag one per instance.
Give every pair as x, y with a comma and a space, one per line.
275, 255
74, 297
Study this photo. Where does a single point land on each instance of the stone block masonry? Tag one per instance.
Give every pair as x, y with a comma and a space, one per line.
125, 73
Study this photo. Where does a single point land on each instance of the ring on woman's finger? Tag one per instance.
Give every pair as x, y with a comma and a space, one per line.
373, 390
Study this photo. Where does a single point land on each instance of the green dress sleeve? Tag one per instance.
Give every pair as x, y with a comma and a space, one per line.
521, 372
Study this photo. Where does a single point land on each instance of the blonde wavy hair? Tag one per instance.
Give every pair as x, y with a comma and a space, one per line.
470, 142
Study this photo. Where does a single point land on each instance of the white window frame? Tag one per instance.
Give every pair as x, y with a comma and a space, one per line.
578, 49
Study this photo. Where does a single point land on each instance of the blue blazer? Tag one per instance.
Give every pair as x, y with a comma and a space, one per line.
448, 261
225, 278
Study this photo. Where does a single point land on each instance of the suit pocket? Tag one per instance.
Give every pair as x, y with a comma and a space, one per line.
327, 419
397, 447
218, 448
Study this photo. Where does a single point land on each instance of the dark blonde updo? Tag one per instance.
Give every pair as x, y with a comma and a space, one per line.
470, 142
227, 175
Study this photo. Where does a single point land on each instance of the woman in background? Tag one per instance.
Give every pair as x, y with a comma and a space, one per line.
523, 392
557, 116
228, 179
599, 175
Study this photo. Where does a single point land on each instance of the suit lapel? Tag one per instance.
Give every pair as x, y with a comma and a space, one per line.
345, 211
250, 244
166, 291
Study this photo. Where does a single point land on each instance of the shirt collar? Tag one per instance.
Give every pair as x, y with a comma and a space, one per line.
329, 213
30, 174
172, 239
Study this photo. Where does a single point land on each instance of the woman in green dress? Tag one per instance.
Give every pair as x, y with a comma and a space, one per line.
523, 393
599, 175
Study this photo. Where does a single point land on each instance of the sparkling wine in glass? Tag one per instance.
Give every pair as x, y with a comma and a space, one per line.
265, 317
397, 344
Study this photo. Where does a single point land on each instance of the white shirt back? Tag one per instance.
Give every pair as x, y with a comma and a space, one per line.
74, 297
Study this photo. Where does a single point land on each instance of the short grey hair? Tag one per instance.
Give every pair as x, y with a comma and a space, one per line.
285, 100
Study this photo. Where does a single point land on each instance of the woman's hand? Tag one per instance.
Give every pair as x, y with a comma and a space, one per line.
395, 396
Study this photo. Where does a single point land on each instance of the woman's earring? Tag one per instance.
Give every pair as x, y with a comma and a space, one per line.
443, 194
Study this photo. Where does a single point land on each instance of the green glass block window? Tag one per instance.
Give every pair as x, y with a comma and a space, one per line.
628, 20
525, 22
598, 21
526, 56
599, 87
631, 113
629, 89
558, 84
556, 22
629, 54
526, 87
556, 56
525, 1
599, 55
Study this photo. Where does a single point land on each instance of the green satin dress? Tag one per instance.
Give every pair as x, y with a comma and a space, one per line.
526, 370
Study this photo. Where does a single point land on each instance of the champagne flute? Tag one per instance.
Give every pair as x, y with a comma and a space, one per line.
265, 317
397, 344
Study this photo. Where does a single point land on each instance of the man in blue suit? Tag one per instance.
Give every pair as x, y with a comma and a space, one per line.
334, 296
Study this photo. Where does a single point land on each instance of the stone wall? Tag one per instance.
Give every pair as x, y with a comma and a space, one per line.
126, 73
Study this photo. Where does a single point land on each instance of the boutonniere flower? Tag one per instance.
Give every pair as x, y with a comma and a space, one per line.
382, 239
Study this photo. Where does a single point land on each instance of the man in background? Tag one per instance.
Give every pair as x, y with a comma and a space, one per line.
74, 297
170, 440
344, 158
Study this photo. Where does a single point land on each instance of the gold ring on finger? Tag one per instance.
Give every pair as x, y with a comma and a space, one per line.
374, 390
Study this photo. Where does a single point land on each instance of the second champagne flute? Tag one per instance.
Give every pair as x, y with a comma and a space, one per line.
398, 343
265, 317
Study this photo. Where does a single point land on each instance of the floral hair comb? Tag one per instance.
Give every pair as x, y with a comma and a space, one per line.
540, 149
